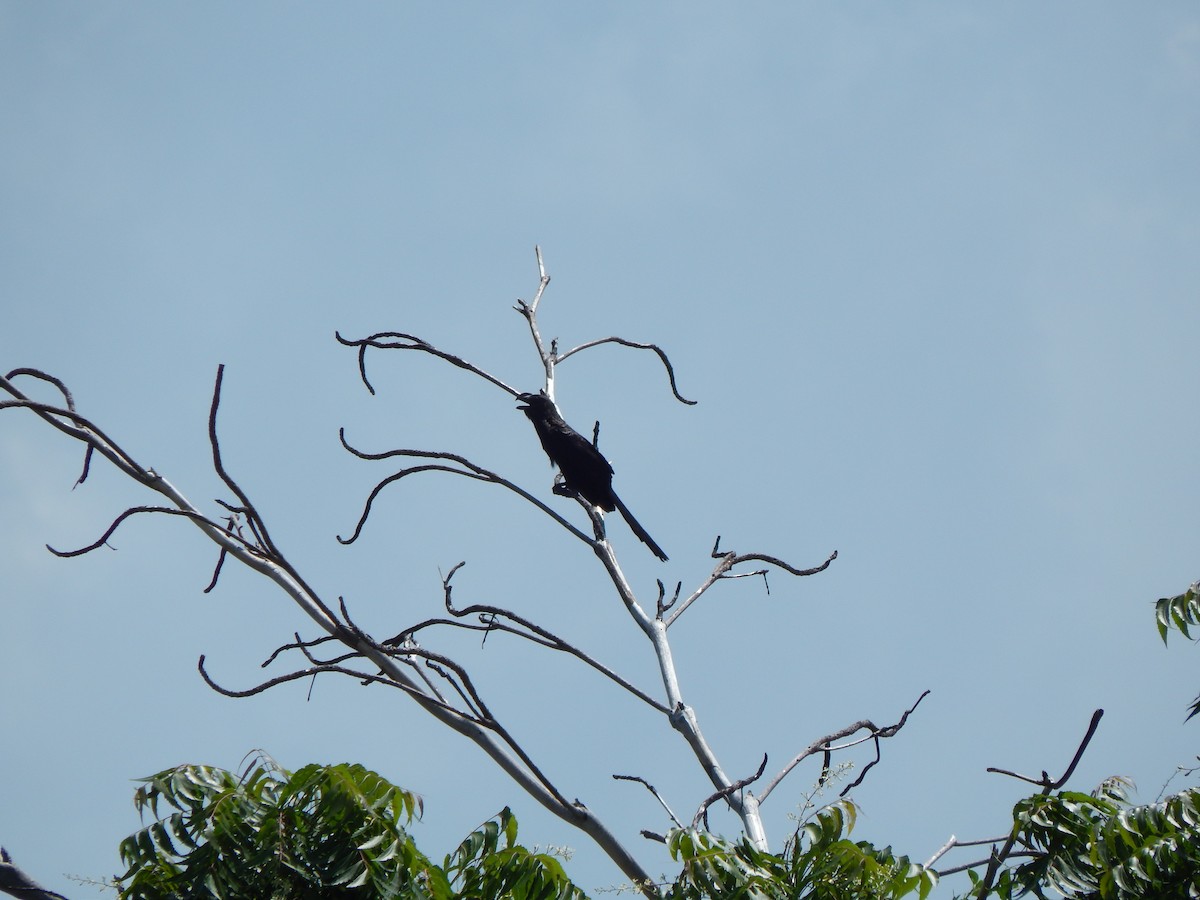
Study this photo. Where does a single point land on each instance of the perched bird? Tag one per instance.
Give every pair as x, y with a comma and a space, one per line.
584, 468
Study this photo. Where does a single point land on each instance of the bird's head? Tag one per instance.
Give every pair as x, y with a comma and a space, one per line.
535, 404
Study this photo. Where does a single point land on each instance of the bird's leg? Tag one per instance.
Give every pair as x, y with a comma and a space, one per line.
561, 488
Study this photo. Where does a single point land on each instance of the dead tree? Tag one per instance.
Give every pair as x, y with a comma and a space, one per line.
408, 660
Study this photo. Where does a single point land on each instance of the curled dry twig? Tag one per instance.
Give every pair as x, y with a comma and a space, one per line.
471, 719
463, 467
161, 510
826, 746
657, 796
491, 618
725, 792
560, 357
435, 677
727, 560
498, 619
399, 340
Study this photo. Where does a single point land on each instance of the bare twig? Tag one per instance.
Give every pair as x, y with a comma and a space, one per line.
657, 796
998, 857
399, 340
134, 510
637, 346
265, 557
68, 399
465, 468
826, 746
953, 843
1044, 781
663, 603
76, 426
497, 619
725, 793
529, 311
726, 560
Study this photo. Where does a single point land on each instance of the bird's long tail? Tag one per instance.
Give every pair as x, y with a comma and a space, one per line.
637, 529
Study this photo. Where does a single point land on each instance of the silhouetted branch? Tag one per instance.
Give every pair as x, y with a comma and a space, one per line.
1008, 850
134, 510
48, 378
1045, 782
68, 399
76, 426
467, 469
292, 676
398, 340
657, 796
825, 745
495, 618
725, 792
726, 561
638, 346
261, 554
297, 644
663, 603
954, 843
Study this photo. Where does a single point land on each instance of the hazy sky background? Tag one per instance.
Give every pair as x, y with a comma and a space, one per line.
931, 270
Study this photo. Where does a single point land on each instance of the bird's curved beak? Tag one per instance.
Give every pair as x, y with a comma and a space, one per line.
524, 398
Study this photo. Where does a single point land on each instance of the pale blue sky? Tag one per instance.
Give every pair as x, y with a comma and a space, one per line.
931, 270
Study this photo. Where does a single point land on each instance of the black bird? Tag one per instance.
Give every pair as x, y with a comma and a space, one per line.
583, 467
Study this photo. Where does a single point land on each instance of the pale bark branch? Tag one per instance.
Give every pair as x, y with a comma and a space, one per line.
269, 561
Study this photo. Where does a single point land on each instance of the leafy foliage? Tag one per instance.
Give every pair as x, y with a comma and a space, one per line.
1097, 846
819, 862
1182, 612
322, 833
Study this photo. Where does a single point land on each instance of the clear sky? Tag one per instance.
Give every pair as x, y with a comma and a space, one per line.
932, 271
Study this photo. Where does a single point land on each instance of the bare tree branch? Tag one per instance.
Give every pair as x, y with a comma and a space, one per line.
657, 796
439, 684
1008, 850
561, 357
134, 510
76, 426
529, 311
268, 560
1045, 781
725, 792
399, 340
723, 571
468, 470
825, 745
495, 618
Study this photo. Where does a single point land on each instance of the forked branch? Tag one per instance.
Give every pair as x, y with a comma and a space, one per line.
723, 571
472, 719
462, 466
505, 621
828, 745
996, 859
398, 340
658, 351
